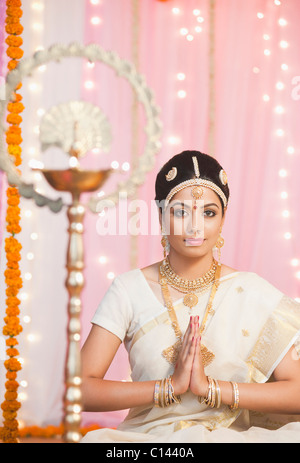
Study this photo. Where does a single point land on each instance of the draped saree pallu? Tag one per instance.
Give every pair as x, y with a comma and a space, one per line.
249, 329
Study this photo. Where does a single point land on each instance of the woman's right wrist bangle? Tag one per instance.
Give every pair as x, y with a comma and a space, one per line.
164, 393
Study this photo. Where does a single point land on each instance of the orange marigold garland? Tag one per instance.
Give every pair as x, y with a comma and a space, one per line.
9, 433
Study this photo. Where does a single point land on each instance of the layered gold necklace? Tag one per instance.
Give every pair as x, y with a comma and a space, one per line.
167, 276
189, 287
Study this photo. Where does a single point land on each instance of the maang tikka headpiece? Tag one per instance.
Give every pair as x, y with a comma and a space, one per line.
198, 182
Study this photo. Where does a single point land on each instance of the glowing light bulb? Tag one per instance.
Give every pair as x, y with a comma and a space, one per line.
26, 319
291, 150
279, 109
73, 162
33, 87
267, 52
89, 84
34, 236
173, 140
22, 396
284, 67
295, 262
126, 166
284, 195
286, 213
95, 20
184, 31
282, 22
40, 112
37, 27
181, 94
280, 132
283, 44
31, 337
287, 236
110, 275
28, 213
37, 6
102, 259
282, 173
115, 164
175, 10
180, 76
260, 15
27, 276
266, 97
23, 296
196, 12
280, 85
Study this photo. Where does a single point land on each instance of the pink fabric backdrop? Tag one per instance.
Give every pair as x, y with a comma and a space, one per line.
245, 126
256, 138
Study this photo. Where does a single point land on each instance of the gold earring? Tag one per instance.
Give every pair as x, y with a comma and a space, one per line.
165, 244
219, 244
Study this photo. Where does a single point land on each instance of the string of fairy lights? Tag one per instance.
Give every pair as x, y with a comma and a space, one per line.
280, 110
34, 112
268, 49
33, 88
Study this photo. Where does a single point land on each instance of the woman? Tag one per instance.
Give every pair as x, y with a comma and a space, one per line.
207, 344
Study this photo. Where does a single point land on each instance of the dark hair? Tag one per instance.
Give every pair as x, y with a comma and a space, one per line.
208, 166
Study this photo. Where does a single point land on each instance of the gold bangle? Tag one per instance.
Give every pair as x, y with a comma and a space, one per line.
218, 395
235, 396
210, 400
164, 393
156, 393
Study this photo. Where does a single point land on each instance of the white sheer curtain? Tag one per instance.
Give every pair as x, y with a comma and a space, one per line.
44, 234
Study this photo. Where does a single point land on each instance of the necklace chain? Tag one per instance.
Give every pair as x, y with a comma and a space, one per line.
186, 286
171, 353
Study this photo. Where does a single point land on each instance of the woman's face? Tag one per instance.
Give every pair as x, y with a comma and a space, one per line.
193, 225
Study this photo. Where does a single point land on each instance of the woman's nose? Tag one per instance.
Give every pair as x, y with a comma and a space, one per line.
196, 226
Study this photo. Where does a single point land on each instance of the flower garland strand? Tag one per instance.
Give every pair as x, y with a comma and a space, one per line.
10, 431
52, 431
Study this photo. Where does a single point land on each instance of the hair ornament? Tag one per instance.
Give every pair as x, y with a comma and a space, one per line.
223, 177
196, 166
197, 192
171, 174
196, 182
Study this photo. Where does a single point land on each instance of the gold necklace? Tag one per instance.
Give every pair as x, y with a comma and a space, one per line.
171, 353
188, 286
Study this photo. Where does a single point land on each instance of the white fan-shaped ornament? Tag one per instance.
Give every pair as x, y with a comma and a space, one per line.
75, 126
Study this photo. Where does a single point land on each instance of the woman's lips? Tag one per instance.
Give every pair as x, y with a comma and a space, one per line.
194, 241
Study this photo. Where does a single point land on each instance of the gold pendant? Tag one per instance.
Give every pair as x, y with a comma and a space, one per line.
172, 352
190, 300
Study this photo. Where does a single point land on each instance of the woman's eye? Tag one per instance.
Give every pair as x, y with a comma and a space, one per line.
209, 213
180, 213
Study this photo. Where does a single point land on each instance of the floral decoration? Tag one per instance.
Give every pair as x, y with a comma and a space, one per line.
9, 433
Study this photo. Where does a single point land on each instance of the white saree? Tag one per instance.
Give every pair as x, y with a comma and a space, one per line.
251, 328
